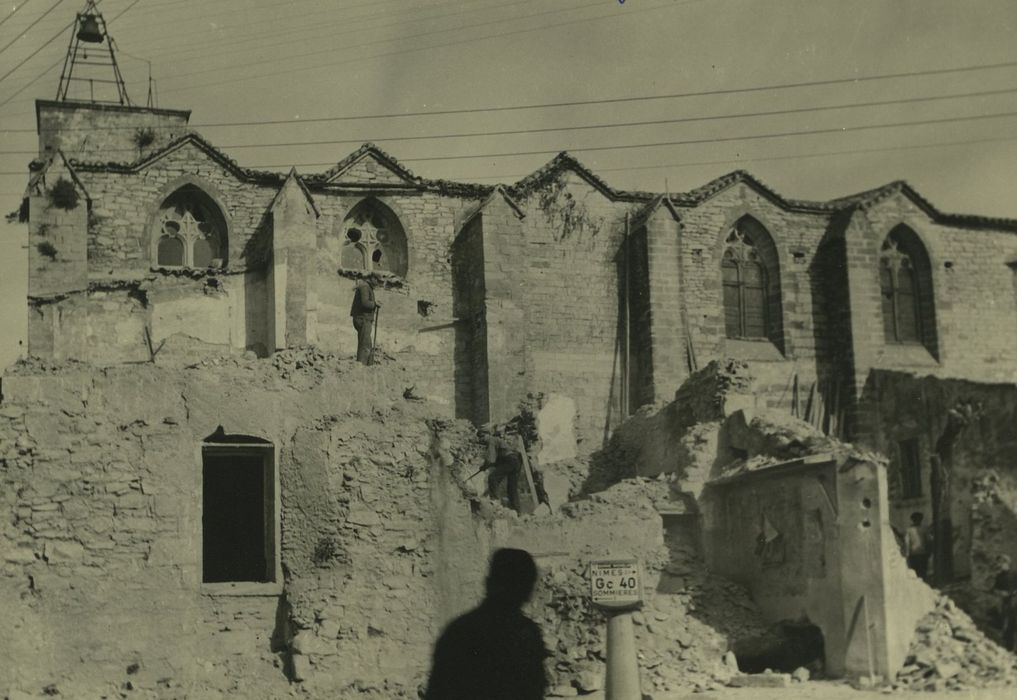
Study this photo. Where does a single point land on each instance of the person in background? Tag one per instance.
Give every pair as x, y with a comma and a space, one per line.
916, 546
363, 311
1005, 585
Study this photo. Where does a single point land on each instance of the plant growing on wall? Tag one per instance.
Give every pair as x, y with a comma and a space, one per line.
143, 138
46, 248
567, 214
63, 194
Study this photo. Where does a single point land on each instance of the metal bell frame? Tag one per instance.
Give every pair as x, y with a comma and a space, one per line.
91, 29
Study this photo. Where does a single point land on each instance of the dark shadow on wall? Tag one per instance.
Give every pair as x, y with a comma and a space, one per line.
831, 327
258, 297
469, 310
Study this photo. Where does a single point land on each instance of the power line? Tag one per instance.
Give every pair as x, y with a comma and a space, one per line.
617, 100
331, 50
796, 156
652, 122
13, 12
29, 27
302, 30
639, 98
246, 38
690, 142
44, 45
688, 164
59, 61
613, 15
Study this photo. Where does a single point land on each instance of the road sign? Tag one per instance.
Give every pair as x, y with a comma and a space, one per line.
615, 584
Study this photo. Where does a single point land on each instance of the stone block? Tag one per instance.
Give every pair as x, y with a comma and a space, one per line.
761, 680
63, 552
556, 429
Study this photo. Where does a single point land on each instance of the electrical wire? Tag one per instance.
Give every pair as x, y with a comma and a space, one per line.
29, 27
689, 164
612, 15
653, 122
13, 12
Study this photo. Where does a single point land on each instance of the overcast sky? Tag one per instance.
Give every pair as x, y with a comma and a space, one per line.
257, 61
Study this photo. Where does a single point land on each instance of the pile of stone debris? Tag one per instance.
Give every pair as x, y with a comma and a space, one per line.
684, 631
950, 653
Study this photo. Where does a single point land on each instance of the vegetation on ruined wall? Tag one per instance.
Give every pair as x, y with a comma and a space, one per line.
143, 138
567, 214
63, 195
48, 249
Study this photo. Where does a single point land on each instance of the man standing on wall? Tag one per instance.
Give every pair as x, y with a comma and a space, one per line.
363, 311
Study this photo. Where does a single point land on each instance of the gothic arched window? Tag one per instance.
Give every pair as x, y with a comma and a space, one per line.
905, 285
190, 231
751, 285
371, 229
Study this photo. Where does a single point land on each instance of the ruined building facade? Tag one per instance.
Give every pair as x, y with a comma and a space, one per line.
869, 316
558, 283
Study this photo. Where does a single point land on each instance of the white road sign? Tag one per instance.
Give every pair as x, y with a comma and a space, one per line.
615, 584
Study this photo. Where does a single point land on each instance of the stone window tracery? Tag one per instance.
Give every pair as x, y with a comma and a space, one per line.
369, 229
744, 279
190, 231
898, 283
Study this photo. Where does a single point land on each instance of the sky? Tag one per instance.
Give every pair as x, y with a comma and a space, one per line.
817, 98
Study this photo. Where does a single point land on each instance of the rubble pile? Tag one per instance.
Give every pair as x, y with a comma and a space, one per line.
948, 652
689, 620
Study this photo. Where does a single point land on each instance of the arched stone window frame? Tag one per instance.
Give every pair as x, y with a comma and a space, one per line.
750, 280
190, 229
368, 226
906, 289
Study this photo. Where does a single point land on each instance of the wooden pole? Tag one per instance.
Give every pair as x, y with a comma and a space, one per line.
527, 472
626, 385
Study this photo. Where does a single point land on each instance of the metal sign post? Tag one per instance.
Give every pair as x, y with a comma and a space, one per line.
616, 588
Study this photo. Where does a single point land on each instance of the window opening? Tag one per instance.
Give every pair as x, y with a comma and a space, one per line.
744, 281
374, 240
899, 291
910, 468
238, 513
191, 231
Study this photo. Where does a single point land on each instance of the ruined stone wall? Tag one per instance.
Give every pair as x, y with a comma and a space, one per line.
569, 275
102, 535
796, 237
812, 543
105, 132
124, 205
416, 318
906, 407
972, 289
113, 323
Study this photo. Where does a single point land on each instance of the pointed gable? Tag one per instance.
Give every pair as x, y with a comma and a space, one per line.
563, 162
369, 165
498, 195
293, 192
661, 201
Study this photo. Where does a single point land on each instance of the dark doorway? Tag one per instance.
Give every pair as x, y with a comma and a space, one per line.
237, 515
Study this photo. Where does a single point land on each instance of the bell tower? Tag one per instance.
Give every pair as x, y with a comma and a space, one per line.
90, 72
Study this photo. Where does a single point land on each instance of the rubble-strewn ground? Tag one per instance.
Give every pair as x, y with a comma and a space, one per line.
950, 653
411, 526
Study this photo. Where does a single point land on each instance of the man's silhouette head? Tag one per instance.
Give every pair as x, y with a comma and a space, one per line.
511, 577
